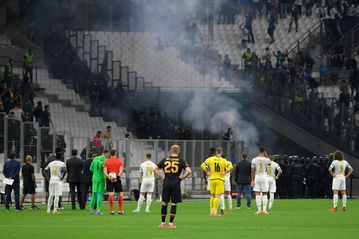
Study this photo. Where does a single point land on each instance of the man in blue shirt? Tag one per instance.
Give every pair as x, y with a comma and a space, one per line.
11, 170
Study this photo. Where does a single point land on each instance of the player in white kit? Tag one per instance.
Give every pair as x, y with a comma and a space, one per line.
272, 177
147, 179
227, 193
338, 170
57, 171
259, 180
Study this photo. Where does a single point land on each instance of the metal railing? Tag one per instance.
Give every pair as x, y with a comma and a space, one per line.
26, 138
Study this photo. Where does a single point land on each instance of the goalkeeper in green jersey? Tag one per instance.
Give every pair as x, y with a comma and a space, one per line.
98, 181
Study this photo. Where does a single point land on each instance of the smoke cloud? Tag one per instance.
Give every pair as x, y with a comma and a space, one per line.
215, 113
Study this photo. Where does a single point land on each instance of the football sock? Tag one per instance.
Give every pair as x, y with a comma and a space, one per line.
173, 213
216, 204
93, 200
221, 202
229, 198
164, 213
56, 203
335, 201
271, 199
211, 204
120, 202
32, 200
140, 201
110, 201
99, 201
50, 201
258, 201
265, 202
148, 201
344, 198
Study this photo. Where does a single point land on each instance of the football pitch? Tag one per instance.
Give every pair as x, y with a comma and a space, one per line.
288, 219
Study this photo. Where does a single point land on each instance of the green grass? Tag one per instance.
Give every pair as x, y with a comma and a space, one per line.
289, 219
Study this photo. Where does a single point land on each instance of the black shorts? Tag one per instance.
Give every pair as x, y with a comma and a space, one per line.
172, 192
28, 188
114, 186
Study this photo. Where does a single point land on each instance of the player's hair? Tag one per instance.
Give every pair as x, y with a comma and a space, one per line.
219, 150
265, 154
74, 152
113, 152
175, 149
28, 159
244, 156
58, 156
105, 151
12, 155
90, 155
212, 151
261, 149
148, 155
338, 155
271, 157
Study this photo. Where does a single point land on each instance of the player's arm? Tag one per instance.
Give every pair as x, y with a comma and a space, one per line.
204, 166
156, 170
279, 173
105, 171
141, 177
33, 177
121, 171
349, 172
331, 172
229, 168
188, 172
46, 174
252, 175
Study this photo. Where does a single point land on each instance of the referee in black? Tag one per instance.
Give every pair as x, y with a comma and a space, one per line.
172, 167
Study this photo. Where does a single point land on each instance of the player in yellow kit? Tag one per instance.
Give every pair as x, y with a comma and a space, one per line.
216, 168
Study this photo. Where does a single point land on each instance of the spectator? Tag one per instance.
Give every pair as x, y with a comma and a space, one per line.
308, 7
38, 111
9, 71
74, 168
86, 180
283, 8
46, 117
243, 180
351, 63
298, 4
11, 170
271, 28
28, 111
248, 60
248, 25
96, 140
323, 68
28, 61
227, 67
17, 113
354, 82
29, 182
107, 138
294, 15
267, 58
257, 6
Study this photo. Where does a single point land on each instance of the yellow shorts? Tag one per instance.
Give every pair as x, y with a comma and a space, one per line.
216, 186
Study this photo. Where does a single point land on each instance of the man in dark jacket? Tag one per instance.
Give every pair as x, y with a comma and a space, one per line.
74, 169
243, 180
86, 179
11, 170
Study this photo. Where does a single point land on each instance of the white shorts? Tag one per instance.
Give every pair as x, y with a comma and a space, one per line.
339, 184
272, 186
261, 183
147, 186
55, 188
227, 185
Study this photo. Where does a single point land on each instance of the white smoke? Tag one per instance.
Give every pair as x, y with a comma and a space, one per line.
215, 113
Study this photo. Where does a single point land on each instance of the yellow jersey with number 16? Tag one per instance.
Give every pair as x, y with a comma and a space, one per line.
216, 166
